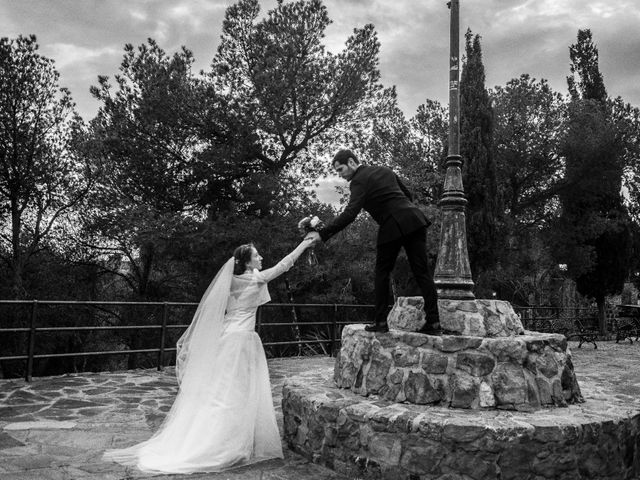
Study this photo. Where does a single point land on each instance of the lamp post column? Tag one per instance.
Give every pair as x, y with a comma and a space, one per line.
452, 274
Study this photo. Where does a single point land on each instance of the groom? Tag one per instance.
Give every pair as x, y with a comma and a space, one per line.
380, 192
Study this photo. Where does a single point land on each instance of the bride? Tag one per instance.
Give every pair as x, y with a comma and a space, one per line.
223, 415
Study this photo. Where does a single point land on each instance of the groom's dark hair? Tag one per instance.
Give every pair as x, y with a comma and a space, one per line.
343, 156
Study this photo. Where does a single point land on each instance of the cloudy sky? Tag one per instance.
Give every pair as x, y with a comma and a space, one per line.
86, 38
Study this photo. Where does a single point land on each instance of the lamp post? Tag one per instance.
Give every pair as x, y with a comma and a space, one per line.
452, 274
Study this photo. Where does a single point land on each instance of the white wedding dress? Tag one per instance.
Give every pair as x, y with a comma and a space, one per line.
223, 415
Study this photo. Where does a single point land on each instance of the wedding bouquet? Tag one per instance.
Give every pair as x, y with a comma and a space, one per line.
306, 225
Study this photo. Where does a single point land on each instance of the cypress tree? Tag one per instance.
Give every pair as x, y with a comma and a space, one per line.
479, 166
592, 234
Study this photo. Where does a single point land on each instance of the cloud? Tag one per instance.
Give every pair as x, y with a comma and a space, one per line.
68, 55
330, 190
86, 38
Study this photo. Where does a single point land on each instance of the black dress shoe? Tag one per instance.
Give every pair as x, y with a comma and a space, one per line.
377, 327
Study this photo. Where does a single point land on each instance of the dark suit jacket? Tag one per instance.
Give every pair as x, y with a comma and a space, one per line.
381, 193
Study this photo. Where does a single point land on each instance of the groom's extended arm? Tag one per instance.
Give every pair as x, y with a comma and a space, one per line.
348, 215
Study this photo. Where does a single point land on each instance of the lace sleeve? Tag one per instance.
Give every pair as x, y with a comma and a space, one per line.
282, 266
285, 264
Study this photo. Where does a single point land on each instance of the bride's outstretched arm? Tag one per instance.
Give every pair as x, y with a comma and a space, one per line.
287, 262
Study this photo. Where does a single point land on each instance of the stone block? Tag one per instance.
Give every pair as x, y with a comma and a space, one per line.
486, 397
407, 314
546, 364
418, 389
454, 317
544, 390
465, 390
569, 382
423, 458
475, 363
377, 373
506, 349
533, 395
435, 363
491, 318
557, 395
405, 356
454, 343
385, 446
509, 385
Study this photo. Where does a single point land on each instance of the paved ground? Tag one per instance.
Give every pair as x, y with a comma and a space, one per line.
56, 428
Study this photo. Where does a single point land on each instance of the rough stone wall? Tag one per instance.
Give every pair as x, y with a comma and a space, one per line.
364, 438
516, 373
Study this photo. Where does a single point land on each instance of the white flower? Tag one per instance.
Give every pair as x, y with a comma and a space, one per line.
304, 222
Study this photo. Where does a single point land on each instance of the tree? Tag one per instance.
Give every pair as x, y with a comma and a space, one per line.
414, 148
592, 234
627, 120
528, 121
42, 179
529, 117
483, 210
288, 89
586, 81
146, 141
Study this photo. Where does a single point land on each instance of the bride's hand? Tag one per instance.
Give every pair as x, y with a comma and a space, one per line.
312, 238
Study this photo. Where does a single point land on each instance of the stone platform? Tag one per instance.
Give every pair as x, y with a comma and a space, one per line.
369, 437
523, 372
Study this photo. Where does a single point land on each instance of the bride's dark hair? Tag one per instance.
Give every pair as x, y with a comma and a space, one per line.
242, 256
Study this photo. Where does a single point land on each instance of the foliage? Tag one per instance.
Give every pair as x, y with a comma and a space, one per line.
288, 89
593, 226
146, 142
585, 81
483, 211
178, 169
627, 121
593, 233
529, 117
41, 177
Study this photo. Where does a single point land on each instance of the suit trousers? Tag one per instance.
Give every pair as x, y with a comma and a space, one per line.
415, 246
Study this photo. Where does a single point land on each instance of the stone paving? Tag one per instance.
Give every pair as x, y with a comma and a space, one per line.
56, 428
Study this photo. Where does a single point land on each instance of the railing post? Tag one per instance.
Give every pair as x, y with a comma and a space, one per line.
32, 341
334, 324
163, 334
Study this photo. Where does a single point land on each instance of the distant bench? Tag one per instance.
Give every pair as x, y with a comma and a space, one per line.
583, 331
627, 322
580, 324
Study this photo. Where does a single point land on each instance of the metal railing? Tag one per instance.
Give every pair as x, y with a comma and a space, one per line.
551, 319
32, 328
555, 319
